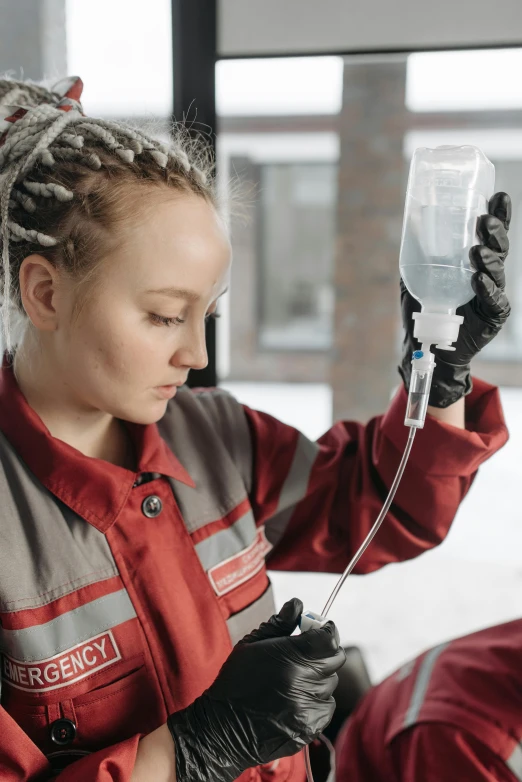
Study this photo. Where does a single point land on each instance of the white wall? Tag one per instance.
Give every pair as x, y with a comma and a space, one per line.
307, 26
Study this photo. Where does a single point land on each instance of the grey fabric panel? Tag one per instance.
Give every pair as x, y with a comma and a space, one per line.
43, 641
227, 542
294, 488
231, 422
46, 550
251, 617
199, 428
421, 684
514, 762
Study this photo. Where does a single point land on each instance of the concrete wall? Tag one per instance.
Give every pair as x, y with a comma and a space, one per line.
32, 38
250, 27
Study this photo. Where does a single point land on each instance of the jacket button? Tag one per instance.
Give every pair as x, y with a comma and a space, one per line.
63, 732
151, 506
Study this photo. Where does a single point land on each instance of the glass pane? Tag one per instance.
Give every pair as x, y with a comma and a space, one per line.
297, 255
464, 81
279, 86
124, 56
278, 148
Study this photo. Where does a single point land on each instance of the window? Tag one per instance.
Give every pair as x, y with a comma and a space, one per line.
297, 204
311, 329
123, 52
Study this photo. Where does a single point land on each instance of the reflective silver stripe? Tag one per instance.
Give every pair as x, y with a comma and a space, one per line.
514, 762
46, 550
252, 616
294, 488
227, 542
421, 684
43, 641
296, 483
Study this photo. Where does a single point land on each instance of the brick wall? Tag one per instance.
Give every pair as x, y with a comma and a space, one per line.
371, 196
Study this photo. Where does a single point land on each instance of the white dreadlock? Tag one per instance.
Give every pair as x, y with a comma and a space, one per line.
25, 93
46, 135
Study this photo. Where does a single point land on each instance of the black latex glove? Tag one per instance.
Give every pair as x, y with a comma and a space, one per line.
272, 696
484, 315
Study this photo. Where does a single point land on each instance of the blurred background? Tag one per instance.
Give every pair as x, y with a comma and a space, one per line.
315, 110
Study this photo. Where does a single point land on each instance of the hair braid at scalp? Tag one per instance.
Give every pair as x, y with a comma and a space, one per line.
25, 93
67, 179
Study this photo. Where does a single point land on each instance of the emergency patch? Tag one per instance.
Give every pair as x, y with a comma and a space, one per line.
237, 569
64, 669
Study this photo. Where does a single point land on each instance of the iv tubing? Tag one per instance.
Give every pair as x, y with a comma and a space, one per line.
364, 545
372, 533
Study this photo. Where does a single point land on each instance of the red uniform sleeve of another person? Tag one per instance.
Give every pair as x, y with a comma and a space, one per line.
319, 500
22, 761
436, 752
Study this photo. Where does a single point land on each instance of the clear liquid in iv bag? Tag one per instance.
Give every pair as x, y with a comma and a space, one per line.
440, 288
436, 240
448, 188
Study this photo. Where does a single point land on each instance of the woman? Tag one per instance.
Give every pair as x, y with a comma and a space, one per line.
137, 515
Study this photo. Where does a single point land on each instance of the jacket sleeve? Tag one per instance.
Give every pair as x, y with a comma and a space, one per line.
319, 500
431, 752
22, 761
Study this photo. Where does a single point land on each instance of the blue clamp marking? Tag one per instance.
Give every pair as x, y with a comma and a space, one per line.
308, 615
418, 354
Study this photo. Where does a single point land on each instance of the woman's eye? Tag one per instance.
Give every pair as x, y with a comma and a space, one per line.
160, 320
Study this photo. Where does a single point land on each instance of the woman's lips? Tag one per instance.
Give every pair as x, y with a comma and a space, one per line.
166, 392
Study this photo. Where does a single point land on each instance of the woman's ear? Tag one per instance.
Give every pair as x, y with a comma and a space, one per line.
38, 288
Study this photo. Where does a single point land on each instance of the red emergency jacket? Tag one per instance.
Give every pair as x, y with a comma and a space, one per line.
452, 715
122, 592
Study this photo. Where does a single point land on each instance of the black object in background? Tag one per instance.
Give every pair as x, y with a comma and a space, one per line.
194, 50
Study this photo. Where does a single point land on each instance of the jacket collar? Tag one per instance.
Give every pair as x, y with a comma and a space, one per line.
94, 489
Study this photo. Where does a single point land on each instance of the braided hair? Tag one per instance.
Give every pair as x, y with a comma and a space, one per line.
25, 93
67, 180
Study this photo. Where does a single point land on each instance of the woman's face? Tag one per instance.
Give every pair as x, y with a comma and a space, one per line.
143, 328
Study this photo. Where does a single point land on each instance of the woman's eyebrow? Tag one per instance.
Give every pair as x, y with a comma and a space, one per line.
182, 293
177, 293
